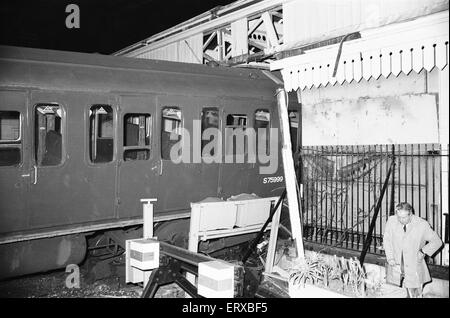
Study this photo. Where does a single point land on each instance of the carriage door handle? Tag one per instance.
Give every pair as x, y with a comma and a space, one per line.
35, 174
26, 175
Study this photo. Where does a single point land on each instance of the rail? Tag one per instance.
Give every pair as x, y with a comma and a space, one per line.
342, 186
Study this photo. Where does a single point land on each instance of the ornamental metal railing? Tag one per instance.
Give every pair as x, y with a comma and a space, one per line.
341, 186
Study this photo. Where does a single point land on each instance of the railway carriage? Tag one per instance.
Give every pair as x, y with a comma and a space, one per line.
83, 137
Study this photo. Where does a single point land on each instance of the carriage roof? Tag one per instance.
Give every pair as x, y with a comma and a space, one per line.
49, 69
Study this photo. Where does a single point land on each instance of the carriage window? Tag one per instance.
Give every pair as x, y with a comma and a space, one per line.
9, 126
10, 143
262, 129
293, 123
101, 136
170, 130
137, 136
235, 122
210, 119
48, 134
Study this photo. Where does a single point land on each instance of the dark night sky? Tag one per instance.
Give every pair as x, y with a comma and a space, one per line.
105, 25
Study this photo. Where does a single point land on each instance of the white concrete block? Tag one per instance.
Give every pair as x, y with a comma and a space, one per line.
215, 279
144, 254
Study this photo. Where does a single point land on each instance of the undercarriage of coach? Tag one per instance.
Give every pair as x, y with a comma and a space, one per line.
103, 253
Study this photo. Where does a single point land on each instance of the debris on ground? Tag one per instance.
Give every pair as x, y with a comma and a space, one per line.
53, 285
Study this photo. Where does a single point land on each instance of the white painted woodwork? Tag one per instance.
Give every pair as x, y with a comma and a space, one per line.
271, 248
239, 38
289, 173
413, 45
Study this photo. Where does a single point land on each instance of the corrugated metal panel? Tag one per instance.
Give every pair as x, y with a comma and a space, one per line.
191, 49
188, 51
167, 53
307, 21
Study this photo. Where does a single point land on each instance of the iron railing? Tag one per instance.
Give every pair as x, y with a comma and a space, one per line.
342, 185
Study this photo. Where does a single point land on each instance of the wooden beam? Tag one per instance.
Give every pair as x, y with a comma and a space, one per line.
302, 49
271, 248
211, 59
246, 58
272, 36
289, 173
255, 65
255, 44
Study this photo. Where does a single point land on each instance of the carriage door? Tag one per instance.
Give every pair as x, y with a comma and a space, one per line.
14, 173
265, 177
138, 170
179, 179
62, 187
51, 182
207, 146
236, 166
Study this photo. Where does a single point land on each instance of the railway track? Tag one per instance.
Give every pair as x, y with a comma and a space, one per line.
96, 280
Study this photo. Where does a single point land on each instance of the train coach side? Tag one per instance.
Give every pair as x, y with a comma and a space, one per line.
54, 101
84, 137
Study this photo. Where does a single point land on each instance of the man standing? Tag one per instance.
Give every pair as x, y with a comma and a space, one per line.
407, 239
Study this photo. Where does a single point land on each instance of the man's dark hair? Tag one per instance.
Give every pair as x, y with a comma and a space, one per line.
404, 206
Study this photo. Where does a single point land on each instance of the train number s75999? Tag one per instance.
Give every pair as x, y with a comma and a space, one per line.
272, 179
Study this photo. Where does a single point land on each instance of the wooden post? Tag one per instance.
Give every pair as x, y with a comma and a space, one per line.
289, 173
148, 217
271, 248
147, 214
272, 37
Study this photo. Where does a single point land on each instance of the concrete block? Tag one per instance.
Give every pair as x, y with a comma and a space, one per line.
215, 279
144, 254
